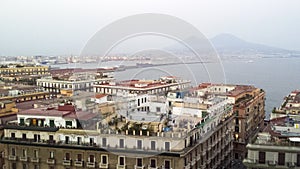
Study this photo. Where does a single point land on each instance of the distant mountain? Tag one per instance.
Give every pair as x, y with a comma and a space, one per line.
227, 43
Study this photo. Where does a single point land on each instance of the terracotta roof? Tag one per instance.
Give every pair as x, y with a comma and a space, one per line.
98, 96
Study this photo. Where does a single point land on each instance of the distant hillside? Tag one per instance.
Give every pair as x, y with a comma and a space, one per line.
227, 44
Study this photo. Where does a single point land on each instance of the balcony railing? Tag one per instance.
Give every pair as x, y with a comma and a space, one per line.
121, 166
35, 160
194, 161
188, 166
90, 164
78, 163
51, 161
272, 163
139, 167
12, 158
149, 167
101, 165
67, 162
24, 158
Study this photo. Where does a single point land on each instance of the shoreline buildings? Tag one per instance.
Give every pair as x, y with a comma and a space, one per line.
278, 146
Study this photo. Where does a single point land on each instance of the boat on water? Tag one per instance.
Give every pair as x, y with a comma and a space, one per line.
144, 64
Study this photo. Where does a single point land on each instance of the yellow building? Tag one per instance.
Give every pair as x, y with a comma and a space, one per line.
14, 70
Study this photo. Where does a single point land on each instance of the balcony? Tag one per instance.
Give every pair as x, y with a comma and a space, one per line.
90, 164
78, 163
139, 167
121, 166
67, 162
24, 158
35, 160
188, 166
194, 161
290, 164
101, 165
149, 167
272, 163
51, 161
12, 158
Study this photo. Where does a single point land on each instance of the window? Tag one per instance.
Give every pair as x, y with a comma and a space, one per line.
281, 158
104, 159
139, 144
298, 160
236, 129
67, 156
51, 123
51, 167
91, 158
68, 123
104, 142
35, 153
79, 140
237, 121
139, 162
24, 136
24, 153
22, 122
121, 143
262, 157
51, 138
122, 160
14, 166
157, 109
91, 141
13, 151
13, 135
36, 137
167, 164
153, 145
79, 157
67, 139
24, 166
153, 163
36, 166
167, 146
51, 154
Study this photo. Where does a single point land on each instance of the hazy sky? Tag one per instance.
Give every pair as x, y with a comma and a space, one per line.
58, 27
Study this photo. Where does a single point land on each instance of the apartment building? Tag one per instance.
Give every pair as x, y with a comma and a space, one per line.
249, 110
60, 138
290, 105
277, 147
73, 81
163, 85
21, 93
22, 70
